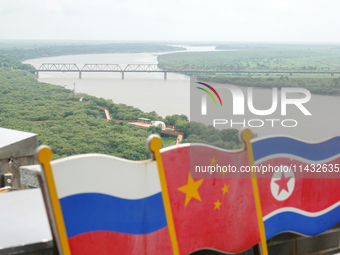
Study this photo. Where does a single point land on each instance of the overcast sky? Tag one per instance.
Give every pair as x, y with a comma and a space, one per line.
194, 20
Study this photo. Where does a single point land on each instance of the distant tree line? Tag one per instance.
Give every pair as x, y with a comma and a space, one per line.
251, 57
59, 50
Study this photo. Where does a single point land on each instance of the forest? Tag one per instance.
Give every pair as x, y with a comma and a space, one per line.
23, 53
264, 58
72, 127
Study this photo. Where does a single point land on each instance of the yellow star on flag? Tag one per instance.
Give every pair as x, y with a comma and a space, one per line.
213, 161
191, 189
225, 189
217, 204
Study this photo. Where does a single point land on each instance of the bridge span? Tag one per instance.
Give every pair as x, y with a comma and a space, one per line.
153, 68
113, 68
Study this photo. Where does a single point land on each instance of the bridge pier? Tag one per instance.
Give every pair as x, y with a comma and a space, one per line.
122, 75
291, 74
37, 74
332, 74
165, 75
79, 75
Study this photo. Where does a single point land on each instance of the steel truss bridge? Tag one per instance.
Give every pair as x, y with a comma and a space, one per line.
153, 68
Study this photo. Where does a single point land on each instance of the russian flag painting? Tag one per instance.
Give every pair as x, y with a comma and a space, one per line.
111, 205
298, 184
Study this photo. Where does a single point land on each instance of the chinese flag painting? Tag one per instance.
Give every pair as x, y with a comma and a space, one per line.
216, 212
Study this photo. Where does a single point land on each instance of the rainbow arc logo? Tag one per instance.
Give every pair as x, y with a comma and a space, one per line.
204, 98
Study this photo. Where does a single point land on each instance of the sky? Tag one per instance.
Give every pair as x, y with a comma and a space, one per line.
172, 20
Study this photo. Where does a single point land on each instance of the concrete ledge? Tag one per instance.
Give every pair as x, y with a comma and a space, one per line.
43, 248
28, 175
24, 222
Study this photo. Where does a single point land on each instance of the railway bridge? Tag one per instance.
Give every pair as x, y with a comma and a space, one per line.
153, 68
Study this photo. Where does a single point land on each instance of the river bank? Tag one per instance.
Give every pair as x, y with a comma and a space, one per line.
70, 126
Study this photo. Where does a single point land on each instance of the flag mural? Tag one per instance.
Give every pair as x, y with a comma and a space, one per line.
108, 205
189, 197
302, 195
216, 212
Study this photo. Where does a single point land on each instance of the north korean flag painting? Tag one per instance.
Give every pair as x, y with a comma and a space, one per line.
298, 184
216, 212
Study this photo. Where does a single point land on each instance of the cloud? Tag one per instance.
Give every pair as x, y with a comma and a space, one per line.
227, 20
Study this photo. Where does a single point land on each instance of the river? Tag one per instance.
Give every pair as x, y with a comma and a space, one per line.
150, 92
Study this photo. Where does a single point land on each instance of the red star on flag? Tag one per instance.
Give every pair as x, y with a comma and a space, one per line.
282, 183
